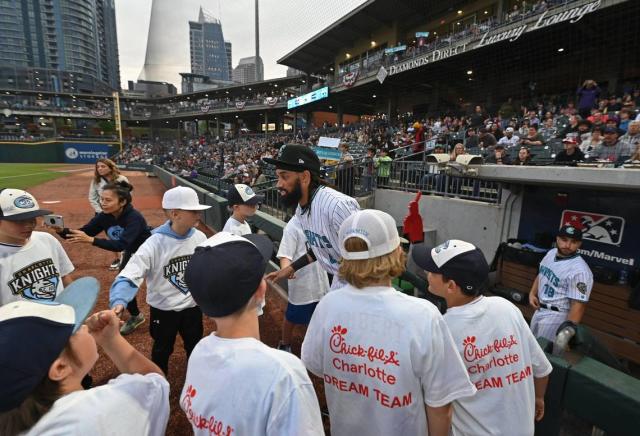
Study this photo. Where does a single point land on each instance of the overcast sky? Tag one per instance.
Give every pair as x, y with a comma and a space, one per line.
284, 25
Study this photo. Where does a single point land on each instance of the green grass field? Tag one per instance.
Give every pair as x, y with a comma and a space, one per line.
23, 176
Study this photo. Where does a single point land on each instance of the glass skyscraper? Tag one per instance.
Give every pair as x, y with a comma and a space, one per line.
73, 36
210, 55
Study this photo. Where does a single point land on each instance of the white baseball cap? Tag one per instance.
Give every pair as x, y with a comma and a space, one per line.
376, 228
16, 205
509, 129
183, 198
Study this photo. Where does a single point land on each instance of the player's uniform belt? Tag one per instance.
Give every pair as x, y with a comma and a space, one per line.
550, 307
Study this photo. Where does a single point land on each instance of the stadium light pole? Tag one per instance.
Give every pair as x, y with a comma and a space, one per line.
117, 118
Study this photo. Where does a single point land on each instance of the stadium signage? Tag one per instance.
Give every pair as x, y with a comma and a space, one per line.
572, 15
316, 95
434, 56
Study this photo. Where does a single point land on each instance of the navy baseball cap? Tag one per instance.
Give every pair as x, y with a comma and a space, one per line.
33, 334
457, 260
295, 157
570, 232
226, 270
243, 194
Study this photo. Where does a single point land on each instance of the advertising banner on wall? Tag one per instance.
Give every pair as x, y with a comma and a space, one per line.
607, 219
85, 153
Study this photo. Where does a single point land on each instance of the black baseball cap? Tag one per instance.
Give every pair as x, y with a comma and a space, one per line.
570, 232
458, 260
295, 157
226, 270
17, 205
611, 130
243, 194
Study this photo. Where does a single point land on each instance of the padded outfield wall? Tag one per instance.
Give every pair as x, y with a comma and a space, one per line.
56, 151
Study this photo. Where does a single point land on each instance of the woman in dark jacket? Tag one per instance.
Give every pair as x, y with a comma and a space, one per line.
127, 230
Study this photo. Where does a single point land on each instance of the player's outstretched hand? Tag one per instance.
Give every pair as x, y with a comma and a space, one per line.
533, 301
539, 408
103, 326
77, 236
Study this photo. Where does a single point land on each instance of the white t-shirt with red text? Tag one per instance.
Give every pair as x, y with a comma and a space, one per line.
383, 355
243, 387
502, 358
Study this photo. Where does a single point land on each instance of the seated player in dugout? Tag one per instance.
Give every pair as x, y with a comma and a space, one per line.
561, 289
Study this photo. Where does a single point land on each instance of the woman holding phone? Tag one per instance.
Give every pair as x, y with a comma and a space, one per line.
126, 228
106, 171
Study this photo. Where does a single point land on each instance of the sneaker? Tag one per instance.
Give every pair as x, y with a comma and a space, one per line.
131, 324
115, 264
284, 347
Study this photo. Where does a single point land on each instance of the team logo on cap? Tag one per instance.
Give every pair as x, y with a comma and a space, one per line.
24, 202
442, 247
174, 272
115, 232
300, 161
249, 191
281, 151
38, 281
570, 230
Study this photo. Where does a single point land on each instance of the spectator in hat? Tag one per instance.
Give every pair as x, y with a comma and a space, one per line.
571, 153
458, 272
533, 138
509, 139
33, 265
486, 139
472, 140
40, 381
243, 203
523, 158
611, 149
236, 384
412, 360
499, 156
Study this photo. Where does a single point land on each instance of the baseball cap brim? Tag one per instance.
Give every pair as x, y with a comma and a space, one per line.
421, 255
26, 215
262, 243
81, 294
197, 207
285, 165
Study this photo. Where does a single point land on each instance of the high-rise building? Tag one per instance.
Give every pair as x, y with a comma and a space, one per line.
248, 70
209, 52
227, 46
73, 36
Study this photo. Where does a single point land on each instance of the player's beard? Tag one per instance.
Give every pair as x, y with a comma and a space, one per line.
291, 199
566, 252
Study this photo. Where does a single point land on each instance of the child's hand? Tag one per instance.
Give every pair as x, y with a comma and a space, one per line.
104, 326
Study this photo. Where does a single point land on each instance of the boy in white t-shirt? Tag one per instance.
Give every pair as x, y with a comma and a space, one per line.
387, 359
161, 260
235, 384
33, 265
51, 351
502, 357
305, 288
243, 203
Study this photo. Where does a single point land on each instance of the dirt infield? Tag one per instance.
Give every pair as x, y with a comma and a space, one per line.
68, 197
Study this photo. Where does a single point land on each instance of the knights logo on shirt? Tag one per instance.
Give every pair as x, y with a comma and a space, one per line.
114, 232
174, 272
38, 281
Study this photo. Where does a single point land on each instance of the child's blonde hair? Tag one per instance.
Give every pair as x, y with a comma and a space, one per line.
368, 272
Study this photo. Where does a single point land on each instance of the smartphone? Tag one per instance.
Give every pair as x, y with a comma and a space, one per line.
54, 220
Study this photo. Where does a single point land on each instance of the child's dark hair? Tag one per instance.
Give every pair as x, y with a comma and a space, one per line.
122, 190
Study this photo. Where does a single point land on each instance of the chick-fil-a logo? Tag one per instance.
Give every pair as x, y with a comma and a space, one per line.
472, 352
214, 426
338, 345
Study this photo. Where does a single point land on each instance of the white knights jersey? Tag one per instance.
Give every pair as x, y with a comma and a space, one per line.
311, 281
563, 279
382, 355
243, 387
321, 222
236, 227
502, 358
162, 260
33, 271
